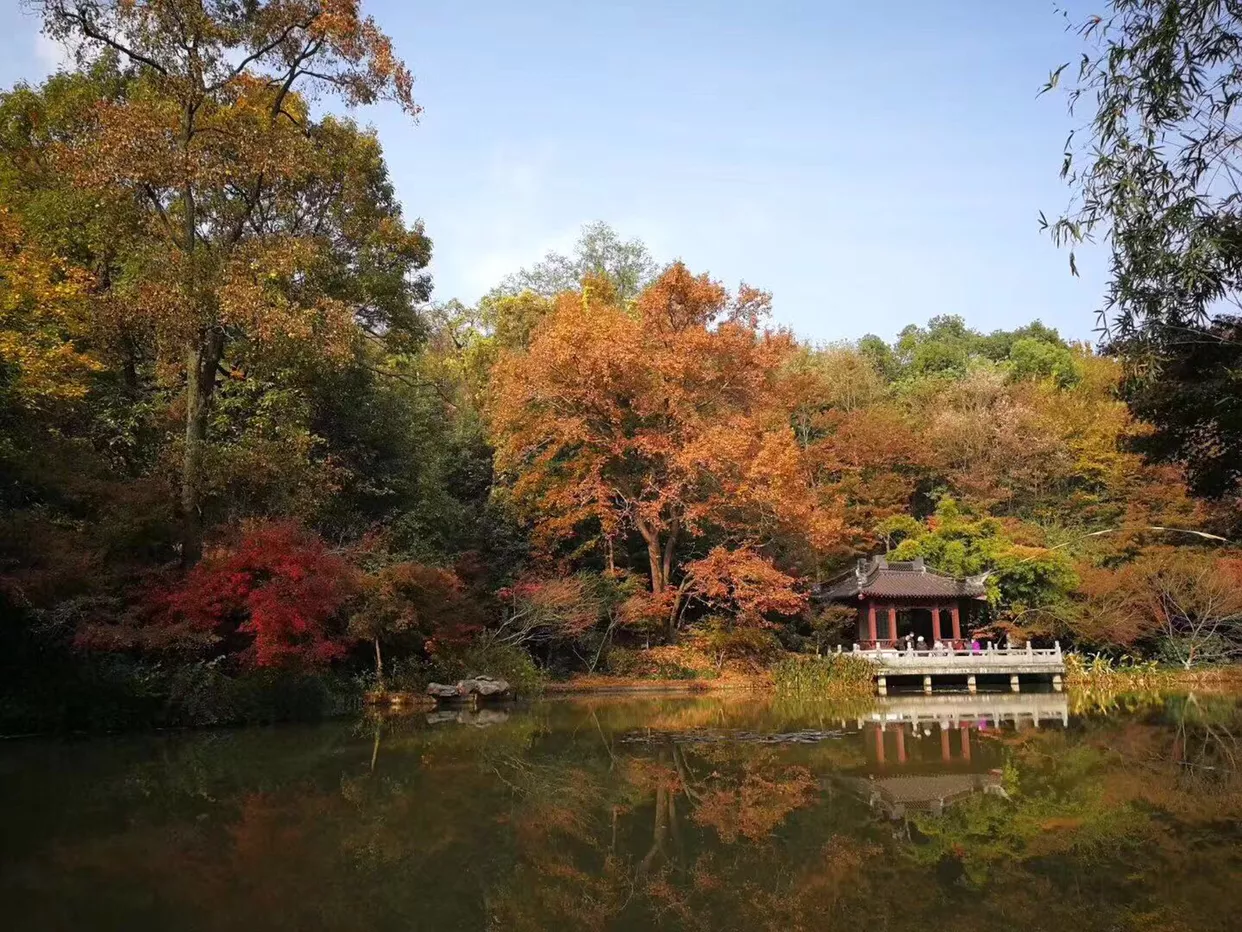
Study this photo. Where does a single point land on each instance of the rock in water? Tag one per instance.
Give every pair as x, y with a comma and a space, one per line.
486, 686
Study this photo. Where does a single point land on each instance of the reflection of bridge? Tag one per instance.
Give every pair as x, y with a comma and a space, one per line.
923, 752
998, 708
947, 661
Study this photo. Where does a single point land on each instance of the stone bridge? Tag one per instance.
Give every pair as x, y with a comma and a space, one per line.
1013, 662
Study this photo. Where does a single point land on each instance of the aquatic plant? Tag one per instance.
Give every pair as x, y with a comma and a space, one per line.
829, 675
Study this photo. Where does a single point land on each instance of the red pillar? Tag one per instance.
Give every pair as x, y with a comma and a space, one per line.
879, 744
935, 623
965, 732
901, 744
871, 623
892, 623
957, 622
945, 753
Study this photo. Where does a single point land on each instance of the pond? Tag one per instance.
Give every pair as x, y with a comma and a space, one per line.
1031, 811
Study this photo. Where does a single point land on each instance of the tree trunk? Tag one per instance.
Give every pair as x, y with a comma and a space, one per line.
202, 358
667, 562
659, 835
379, 665
660, 559
655, 558
670, 629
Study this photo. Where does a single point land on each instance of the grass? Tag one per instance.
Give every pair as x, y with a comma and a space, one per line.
830, 675
1098, 680
684, 669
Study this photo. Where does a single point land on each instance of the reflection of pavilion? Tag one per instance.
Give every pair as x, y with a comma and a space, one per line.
923, 752
898, 795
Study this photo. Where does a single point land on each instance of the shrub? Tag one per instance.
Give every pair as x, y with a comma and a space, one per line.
622, 661
505, 661
207, 694
722, 641
273, 599
1101, 670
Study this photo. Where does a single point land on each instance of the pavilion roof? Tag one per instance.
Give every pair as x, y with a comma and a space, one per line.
878, 578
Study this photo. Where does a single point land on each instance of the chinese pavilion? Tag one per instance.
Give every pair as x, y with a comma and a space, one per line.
905, 598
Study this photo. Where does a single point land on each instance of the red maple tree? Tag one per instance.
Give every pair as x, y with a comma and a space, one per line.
271, 600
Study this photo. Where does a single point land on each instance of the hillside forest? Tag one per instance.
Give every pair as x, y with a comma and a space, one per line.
246, 451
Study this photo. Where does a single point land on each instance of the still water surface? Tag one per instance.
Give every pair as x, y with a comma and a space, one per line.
1026, 812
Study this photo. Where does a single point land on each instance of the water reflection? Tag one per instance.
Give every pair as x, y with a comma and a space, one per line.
717, 813
921, 755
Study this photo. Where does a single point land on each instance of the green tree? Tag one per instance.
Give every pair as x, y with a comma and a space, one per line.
600, 252
259, 220
1157, 172
1019, 577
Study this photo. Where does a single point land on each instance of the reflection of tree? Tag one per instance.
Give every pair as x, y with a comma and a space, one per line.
557, 820
1205, 748
675, 813
1106, 813
759, 799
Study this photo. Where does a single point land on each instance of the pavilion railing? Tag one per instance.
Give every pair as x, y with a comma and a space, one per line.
892, 652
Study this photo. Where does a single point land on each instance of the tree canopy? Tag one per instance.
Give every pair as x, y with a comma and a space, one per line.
237, 439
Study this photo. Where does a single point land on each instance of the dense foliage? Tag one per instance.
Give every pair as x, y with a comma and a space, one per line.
239, 442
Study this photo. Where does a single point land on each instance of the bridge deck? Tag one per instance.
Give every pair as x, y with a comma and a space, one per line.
949, 662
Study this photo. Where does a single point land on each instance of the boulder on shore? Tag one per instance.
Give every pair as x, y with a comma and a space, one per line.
484, 687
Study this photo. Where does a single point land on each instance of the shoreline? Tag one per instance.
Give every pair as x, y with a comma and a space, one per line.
601, 686
1225, 680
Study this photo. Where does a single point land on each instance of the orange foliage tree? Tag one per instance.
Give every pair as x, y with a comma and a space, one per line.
1189, 603
545, 611
664, 419
862, 449
745, 583
42, 319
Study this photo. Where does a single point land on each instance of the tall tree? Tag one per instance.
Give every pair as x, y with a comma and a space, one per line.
244, 192
1158, 172
666, 422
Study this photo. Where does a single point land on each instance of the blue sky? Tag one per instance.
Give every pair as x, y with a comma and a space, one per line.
871, 164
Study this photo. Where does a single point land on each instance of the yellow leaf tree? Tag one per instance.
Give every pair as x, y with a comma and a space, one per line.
241, 187
42, 320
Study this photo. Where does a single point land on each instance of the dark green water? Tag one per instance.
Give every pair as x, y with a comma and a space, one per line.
718, 813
